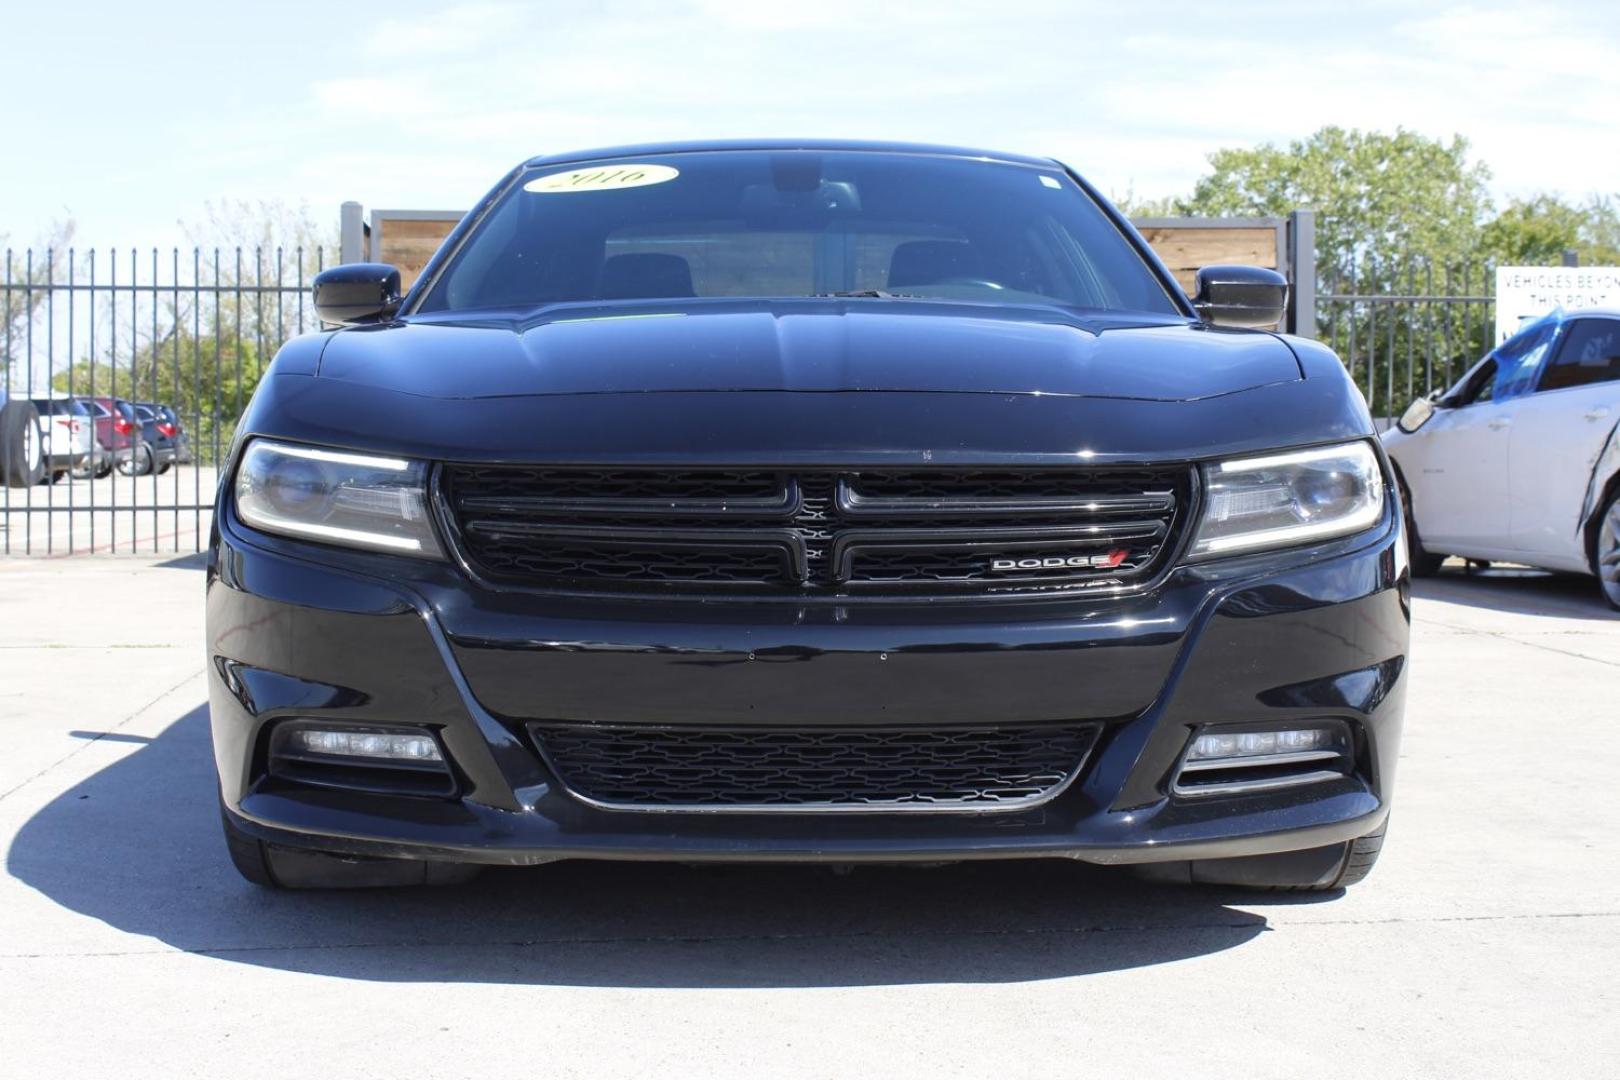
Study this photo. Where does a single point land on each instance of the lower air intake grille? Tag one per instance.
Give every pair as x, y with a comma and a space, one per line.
854, 769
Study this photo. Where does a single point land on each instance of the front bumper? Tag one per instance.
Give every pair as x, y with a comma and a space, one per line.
1309, 634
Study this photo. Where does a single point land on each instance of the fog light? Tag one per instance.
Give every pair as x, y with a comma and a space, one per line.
375, 745
1233, 762
393, 760
1244, 744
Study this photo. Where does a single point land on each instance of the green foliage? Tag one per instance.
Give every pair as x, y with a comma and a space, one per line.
1380, 199
1400, 215
207, 380
1538, 230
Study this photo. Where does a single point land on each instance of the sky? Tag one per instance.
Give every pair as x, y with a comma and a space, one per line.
130, 118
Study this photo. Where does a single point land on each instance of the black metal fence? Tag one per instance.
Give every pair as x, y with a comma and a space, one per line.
191, 330
1408, 329
194, 329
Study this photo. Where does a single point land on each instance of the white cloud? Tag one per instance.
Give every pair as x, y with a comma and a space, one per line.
428, 106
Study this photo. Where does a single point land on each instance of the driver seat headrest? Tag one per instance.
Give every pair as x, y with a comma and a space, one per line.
929, 262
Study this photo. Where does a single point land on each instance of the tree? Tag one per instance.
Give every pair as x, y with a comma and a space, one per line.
1379, 199
258, 244
1538, 230
208, 380
1395, 213
25, 282
200, 340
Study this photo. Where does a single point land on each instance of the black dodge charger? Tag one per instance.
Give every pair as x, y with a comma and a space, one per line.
819, 502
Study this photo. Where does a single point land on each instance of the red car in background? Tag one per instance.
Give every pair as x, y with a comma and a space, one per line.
118, 434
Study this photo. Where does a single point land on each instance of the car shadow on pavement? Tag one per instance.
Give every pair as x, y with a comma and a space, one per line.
1518, 590
197, 560
137, 846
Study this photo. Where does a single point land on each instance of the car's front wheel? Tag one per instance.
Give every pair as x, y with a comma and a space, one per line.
1424, 563
275, 867
1607, 555
1323, 869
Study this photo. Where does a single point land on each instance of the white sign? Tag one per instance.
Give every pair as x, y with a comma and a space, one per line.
1525, 293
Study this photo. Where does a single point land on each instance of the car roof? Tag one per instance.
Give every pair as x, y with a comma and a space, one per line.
651, 149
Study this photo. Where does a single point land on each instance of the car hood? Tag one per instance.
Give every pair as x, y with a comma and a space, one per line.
813, 345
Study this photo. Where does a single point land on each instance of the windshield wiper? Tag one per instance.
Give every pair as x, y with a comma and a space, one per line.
870, 294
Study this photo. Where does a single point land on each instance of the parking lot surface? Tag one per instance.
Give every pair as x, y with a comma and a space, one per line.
1484, 944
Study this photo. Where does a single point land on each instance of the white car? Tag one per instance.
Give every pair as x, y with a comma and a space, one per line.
69, 434
1520, 460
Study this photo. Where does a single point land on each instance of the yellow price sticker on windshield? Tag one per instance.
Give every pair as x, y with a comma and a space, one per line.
602, 178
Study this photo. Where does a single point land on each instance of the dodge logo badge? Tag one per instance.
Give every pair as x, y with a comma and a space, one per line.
1062, 562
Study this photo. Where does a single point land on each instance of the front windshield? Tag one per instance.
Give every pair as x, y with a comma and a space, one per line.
792, 224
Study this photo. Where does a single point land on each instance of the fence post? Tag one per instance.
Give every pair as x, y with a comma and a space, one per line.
1302, 269
351, 233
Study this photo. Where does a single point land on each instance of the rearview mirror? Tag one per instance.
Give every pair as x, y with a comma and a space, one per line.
1417, 414
1241, 296
357, 293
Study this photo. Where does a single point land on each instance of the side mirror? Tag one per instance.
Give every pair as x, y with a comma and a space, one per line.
1418, 413
1241, 296
357, 293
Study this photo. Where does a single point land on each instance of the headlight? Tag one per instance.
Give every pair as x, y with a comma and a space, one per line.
1292, 498
356, 500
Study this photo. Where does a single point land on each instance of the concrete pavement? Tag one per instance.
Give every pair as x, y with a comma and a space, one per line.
1483, 944
116, 514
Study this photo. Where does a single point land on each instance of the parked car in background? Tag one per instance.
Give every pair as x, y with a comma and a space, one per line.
1520, 460
69, 440
159, 447
118, 434
169, 422
22, 441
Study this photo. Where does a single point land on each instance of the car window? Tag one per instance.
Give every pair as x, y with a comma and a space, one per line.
797, 223
1509, 370
95, 408
1590, 353
1479, 386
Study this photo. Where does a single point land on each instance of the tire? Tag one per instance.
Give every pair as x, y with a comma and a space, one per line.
87, 471
22, 444
1424, 563
165, 467
1606, 552
270, 866
1323, 869
138, 462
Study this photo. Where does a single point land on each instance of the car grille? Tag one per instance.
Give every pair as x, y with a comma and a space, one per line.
859, 769
935, 530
